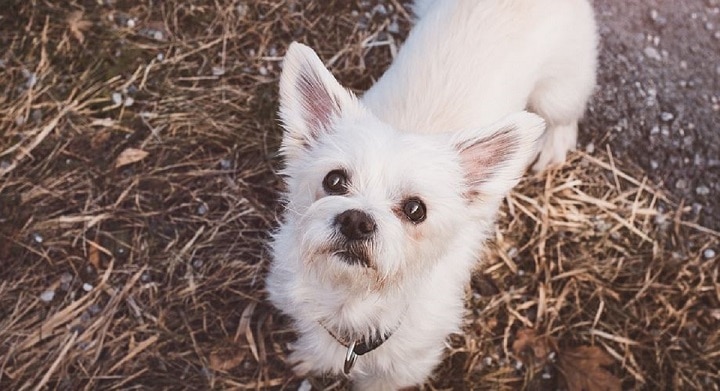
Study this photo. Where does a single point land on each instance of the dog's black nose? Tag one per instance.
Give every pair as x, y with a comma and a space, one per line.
355, 224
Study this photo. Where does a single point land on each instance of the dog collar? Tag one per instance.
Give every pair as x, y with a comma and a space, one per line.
359, 347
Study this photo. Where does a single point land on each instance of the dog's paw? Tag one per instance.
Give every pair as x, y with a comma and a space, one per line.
557, 142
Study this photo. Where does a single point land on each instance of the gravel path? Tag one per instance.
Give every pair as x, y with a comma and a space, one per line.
658, 99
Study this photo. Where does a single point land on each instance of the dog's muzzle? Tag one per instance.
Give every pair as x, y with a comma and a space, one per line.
357, 229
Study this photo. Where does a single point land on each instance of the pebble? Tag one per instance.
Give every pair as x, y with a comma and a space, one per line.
37, 238
47, 296
242, 10
658, 19
145, 276
665, 116
160, 56
87, 287
263, 71
218, 71
117, 98
590, 148
225, 164
709, 253
393, 27
702, 190
518, 365
20, 120
681, 184
305, 386
652, 53
202, 209
197, 263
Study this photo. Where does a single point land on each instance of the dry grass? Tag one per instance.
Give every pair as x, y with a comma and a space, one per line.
147, 273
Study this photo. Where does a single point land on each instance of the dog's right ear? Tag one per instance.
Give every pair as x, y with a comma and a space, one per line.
311, 99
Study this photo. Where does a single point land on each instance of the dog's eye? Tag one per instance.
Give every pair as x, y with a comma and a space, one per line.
335, 182
414, 210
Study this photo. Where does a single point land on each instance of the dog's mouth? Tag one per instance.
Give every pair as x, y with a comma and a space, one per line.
353, 254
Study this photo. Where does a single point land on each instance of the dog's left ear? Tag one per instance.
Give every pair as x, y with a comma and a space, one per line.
496, 157
311, 99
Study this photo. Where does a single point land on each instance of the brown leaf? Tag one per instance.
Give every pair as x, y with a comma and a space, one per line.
582, 368
531, 348
225, 361
129, 156
77, 25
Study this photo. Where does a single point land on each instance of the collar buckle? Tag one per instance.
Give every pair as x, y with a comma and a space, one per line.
350, 358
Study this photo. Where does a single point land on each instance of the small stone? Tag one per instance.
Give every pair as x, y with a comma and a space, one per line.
37, 237
518, 365
202, 209
263, 71
160, 57
129, 101
652, 53
393, 27
31, 80
702, 190
242, 10
131, 22
666, 117
487, 361
47, 296
658, 19
197, 263
225, 164
654, 165
660, 219
655, 129
66, 278
145, 276
681, 184
158, 35
87, 287
380, 9
546, 375
116, 98
709, 253
709, 26
305, 386
590, 148
20, 120
218, 71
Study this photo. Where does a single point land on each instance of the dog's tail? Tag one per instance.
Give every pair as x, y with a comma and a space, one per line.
420, 8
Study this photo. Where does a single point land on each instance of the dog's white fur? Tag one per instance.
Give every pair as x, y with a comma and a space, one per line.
437, 126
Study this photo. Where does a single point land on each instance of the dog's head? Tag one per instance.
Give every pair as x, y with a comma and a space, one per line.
367, 203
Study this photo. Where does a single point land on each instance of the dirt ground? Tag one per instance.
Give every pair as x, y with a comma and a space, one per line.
138, 148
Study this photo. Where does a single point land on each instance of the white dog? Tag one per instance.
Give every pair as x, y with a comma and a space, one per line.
390, 197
